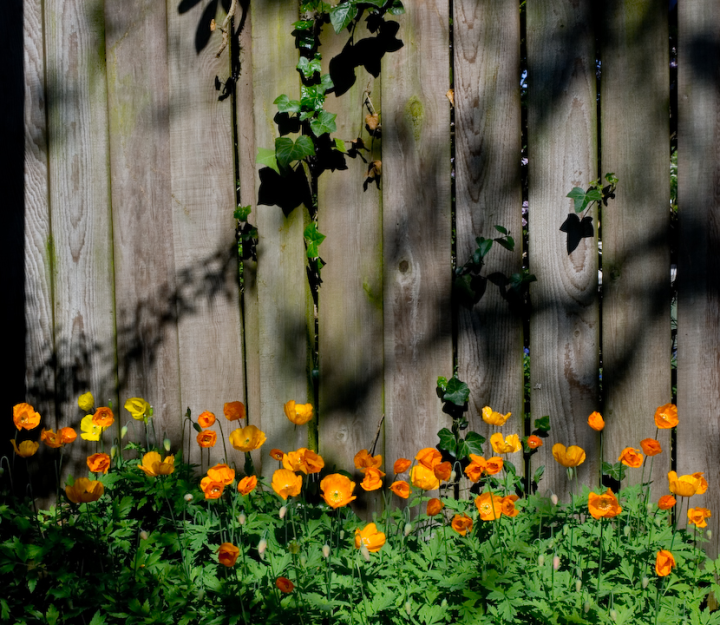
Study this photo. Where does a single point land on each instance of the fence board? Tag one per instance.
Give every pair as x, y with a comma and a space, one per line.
487, 182
39, 373
698, 434
203, 198
84, 307
636, 260
562, 148
282, 291
138, 106
416, 229
350, 300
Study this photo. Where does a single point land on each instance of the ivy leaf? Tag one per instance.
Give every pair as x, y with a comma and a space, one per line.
326, 82
457, 392
267, 157
594, 195
507, 242
313, 238
286, 105
340, 146
543, 423
501, 230
286, 151
98, 619
341, 15
537, 476
323, 123
242, 212
474, 443
442, 383
579, 199
484, 245
312, 98
309, 67
397, 8
447, 441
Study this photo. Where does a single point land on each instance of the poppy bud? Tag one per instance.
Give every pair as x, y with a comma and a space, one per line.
408, 607
709, 534
188, 497
123, 432
242, 518
556, 563
262, 546
645, 582
282, 512
303, 559
293, 547
113, 451
443, 603
554, 499
541, 560
566, 528
586, 607
2, 471
201, 594
143, 535
196, 427
326, 551
166, 445
150, 411
408, 529
578, 585
613, 615
453, 475
570, 473
650, 507
342, 534
626, 531
365, 553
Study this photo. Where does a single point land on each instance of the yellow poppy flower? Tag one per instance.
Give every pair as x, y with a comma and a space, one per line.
90, 431
568, 457
508, 445
494, 418
138, 408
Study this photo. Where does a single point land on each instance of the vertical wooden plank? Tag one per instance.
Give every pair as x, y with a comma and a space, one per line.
635, 139
84, 306
698, 434
562, 150
416, 229
203, 200
350, 301
487, 192
39, 372
142, 229
283, 332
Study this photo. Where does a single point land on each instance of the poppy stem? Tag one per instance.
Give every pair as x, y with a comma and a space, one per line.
599, 575
222, 434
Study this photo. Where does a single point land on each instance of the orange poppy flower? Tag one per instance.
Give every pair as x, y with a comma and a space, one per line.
363, 460
697, 516
247, 485
98, 463
25, 417
51, 439
206, 419
603, 506
666, 502
313, 462
299, 414
234, 410
494, 418
401, 465
533, 442
631, 457
286, 484
489, 506
284, 584
26, 448
373, 479
703, 483
429, 457
424, 478
228, 554
211, 488
685, 485
337, 490
442, 471
664, 563
462, 524
276, 454
103, 417
568, 457
508, 445
493, 465
84, 491
666, 416
221, 473
650, 446
152, 466
507, 506
370, 537
207, 438
434, 507
476, 468
67, 435
247, 438
401, 489
595, 421
303, 460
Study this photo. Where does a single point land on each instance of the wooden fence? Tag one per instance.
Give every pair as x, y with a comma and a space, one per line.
132, 160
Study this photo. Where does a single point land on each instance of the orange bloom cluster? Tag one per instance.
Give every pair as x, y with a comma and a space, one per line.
206, 419
491, 507
650, 446
478, 465
304, 460
666, 502
59, 438
697, 516
603, 506
363, 461
666, 416
370, 537
84, 491
424, 478
207, 438
217, 478
247, 485
373, 479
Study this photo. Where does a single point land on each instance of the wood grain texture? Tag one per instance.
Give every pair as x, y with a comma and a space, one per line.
138, 107
282, 293
40, 372
487, 192
562, 152
84, 306
350, 303
203, 199
416, 229
698, 435
636, 257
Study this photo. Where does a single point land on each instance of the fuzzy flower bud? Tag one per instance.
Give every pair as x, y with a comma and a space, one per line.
303, 559
709, 534
578, 585
2, 471
262, 546
650, 507
626, 531
365, 553
166, 445
556, 563
282, 512
293, 547
242, 518
188, 497
554, 499
408, 529
541, 560
326, 551
613, 615
566, 529
113, 451
408, 608
144, 535
453, 475
645, 582
342, 534
123, 432
443, 603
586, 607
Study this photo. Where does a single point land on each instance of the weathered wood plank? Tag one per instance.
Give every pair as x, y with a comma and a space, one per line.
699, 262
282, 292
84, 306
138, 109
416, 229
350, 301
487, 192
562, 152
203, 200
636, 258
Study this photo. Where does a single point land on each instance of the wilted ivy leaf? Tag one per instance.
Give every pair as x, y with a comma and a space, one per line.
474, 443
313, 238
341, 15
447, 441
286, 105
267, 157
323, 123
457, 392
309, 67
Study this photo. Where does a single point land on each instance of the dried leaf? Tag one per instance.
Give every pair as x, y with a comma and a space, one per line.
213, 26
372, 122
451, 96
375, 169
